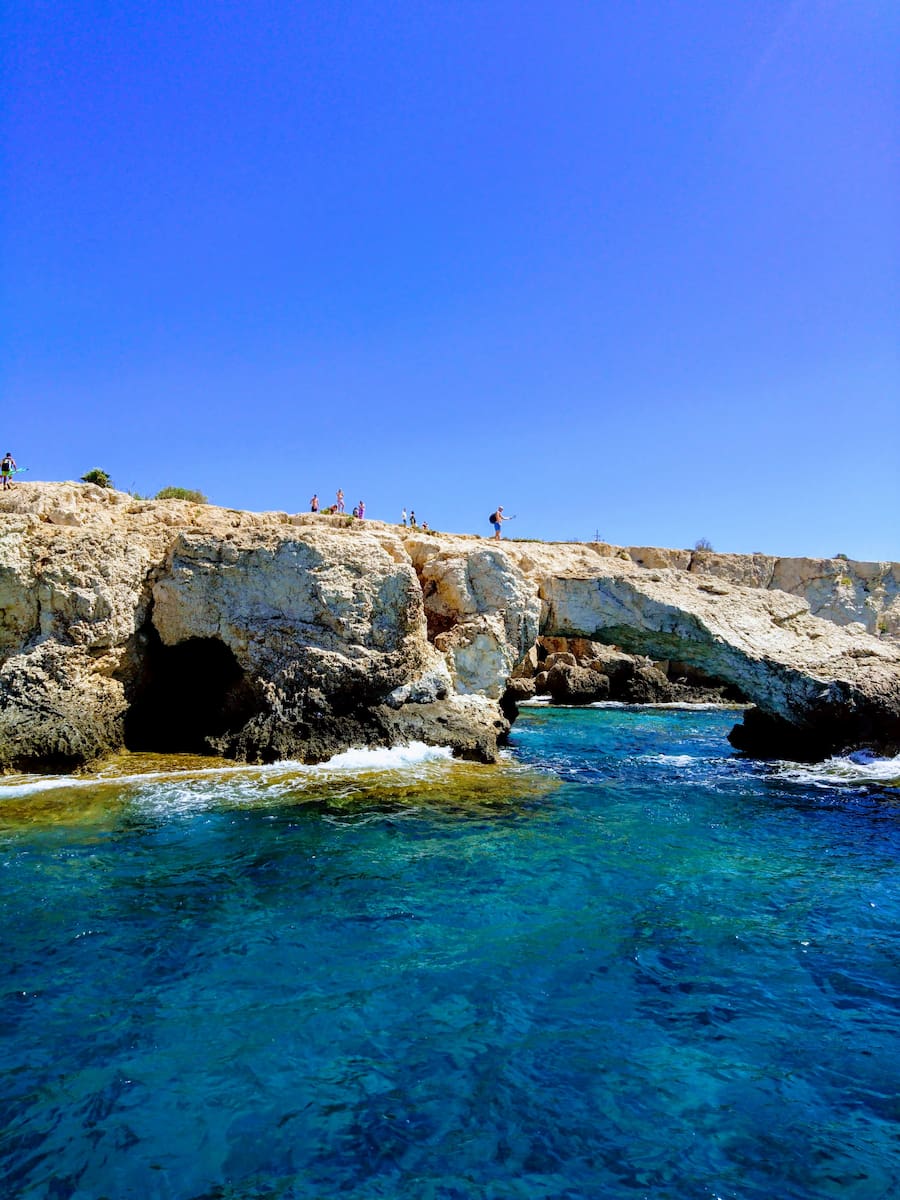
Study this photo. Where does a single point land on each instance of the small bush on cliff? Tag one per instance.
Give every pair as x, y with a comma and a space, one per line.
100, 478
703, 544
179, 493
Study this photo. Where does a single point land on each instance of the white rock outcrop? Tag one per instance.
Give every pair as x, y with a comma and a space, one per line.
818, 685
841, 590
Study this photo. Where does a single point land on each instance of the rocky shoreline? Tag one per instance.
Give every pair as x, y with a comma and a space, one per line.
168, 625
577, 671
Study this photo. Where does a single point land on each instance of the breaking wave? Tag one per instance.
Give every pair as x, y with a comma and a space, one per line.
859, 769
346, 764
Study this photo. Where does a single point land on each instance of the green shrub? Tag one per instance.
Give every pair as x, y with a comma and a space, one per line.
180, 493
100, 478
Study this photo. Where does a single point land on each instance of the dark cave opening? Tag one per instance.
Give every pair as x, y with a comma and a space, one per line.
187, 695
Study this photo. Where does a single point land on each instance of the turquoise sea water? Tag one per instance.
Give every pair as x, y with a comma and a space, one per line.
624, 963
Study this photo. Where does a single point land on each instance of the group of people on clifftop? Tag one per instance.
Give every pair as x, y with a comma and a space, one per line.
496, 518
359, 509
8, 468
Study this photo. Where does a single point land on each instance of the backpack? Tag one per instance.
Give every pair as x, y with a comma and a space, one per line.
493, 518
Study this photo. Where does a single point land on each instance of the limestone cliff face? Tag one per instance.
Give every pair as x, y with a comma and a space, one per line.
177, 626
837, 589
818, 687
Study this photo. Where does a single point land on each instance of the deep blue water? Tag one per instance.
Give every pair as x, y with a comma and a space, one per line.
626, 964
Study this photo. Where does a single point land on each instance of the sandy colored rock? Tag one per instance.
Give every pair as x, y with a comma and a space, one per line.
315, 631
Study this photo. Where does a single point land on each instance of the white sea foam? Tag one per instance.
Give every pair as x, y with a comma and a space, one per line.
690, 705
859, 769
27, 785
187, 784
387, 759
670, 760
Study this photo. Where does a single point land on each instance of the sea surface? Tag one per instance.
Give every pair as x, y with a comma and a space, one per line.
623, 963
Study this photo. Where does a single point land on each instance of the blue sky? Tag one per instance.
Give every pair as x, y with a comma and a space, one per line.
624, 268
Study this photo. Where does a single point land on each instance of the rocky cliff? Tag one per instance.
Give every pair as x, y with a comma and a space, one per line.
168, 625
840, 590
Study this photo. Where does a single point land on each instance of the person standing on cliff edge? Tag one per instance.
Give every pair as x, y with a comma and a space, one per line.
340, 500
314, 503
7, 466
496, 519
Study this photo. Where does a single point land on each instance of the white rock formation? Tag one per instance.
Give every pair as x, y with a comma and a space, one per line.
841, 590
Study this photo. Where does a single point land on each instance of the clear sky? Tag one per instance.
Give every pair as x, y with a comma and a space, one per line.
625, 268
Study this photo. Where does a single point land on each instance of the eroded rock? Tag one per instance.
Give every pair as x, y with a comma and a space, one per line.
319, 634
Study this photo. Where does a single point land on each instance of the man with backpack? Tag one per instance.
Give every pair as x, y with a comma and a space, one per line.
7, 467
496, 519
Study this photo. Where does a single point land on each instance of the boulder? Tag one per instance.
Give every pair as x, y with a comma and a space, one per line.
647, 685
562, 658
571, 684
552, 645
616, 665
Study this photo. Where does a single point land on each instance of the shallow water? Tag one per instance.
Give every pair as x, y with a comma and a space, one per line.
623, 963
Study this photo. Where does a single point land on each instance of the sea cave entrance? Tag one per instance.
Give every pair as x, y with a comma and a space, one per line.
187, 695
